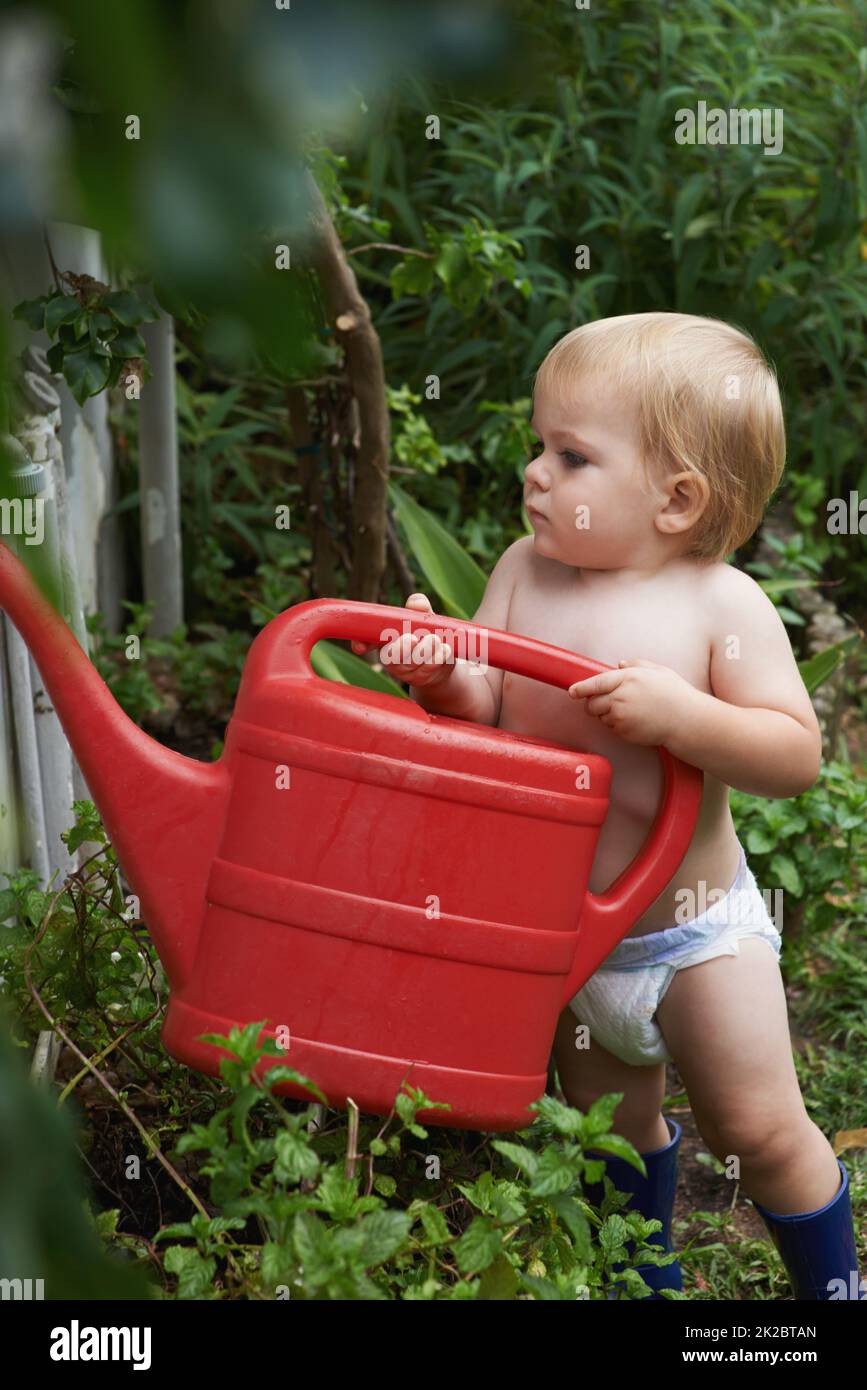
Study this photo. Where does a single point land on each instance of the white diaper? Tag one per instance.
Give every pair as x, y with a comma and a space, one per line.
620, 1000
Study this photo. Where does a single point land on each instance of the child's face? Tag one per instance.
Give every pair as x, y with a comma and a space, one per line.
594, 509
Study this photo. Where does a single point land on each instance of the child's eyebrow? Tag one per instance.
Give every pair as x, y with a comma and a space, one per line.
564, 434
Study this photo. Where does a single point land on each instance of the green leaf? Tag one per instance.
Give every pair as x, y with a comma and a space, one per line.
106, 1222
334, 663
564, 1118
176, 1229
412, 276
36, 905
295, 1159
685, 207
80, 834
128, 342
274, 1075
555, 1173
499, 1281
479, 1246
128, 308
759, 841
310, 1238
195, 1274
600, 1116
544, 1290
218, 407
61, 309
383, 1234
31, 312
454, 574
618, 1146
782, 586
816, 669
337, 1193
786, 873
117, 365
613, 1234
701, 224
278, 1265
576, 1223
669, 39
522, 1157
86, 372
435, 1225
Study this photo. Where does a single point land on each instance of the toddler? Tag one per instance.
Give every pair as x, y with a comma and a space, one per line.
660, 441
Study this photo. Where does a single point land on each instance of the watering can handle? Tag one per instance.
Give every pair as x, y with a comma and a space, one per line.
607, 916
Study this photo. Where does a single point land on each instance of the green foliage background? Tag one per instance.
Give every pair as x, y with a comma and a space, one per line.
776, 244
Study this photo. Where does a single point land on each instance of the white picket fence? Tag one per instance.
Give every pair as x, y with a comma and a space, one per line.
72, 448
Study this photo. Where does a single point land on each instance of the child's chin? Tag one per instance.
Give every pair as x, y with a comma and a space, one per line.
545, 544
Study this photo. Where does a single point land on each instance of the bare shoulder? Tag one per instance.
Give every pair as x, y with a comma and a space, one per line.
520, 552
727, 590
507, 572
517, 561
752, 661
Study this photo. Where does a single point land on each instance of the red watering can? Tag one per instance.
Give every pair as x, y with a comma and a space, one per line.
402, 896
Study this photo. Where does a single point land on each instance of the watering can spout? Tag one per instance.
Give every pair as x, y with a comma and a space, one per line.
148, 796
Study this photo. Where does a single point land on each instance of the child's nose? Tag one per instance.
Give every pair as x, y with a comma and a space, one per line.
536, 473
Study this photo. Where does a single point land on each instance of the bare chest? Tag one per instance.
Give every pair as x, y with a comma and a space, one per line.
661, 623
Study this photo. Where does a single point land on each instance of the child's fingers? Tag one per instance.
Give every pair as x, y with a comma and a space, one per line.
419, 601
599, 704
396, 652
416, 657
431, 651
602, 684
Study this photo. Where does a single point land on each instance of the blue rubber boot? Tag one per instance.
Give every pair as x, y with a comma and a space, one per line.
818, 1247
652, 1196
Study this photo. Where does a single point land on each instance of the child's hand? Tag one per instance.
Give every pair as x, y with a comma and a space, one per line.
420, 658
640, 701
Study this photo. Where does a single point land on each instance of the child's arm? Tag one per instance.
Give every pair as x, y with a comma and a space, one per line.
470, 694
757, 732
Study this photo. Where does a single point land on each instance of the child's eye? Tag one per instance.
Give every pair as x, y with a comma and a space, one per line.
574, 460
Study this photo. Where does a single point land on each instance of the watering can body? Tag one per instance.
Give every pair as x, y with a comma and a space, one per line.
400, 896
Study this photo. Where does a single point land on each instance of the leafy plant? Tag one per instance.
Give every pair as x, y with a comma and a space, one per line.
812, 846
95, 331
322, 1236
205, 673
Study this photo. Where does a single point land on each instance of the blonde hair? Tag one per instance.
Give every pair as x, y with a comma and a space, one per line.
707, 401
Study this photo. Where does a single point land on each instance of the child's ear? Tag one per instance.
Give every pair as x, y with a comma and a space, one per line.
687, 495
